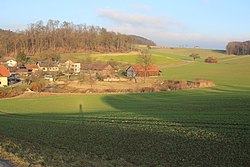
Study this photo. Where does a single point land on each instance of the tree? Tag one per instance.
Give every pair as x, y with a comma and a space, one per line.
195, 56
238, 48
51, 55
67, 68
21, 58
144, 59
62, 37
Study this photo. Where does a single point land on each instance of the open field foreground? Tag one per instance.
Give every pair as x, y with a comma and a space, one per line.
202, 127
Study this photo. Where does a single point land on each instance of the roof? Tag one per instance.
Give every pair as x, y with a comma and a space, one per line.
22, 70
96, 66
4, 72
31, 66
141, 68
46, 64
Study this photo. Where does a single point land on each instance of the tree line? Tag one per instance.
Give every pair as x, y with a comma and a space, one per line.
62, 37
238, 48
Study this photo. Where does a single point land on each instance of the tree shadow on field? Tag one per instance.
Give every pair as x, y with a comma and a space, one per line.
184, 106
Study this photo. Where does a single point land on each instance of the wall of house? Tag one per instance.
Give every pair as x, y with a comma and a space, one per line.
76, 67
131, 72
53, 69
3, 81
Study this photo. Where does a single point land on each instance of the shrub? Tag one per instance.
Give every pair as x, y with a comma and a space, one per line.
211, 60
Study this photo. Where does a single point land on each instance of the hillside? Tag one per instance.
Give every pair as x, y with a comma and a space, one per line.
66, 37
142, 41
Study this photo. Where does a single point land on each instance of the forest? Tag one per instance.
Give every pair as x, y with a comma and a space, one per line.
63, 37
238, 48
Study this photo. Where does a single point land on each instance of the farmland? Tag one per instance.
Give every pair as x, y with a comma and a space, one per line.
205, 127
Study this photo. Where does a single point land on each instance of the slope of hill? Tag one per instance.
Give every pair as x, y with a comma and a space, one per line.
142, 41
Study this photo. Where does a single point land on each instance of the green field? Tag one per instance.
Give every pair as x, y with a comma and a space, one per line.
205, 127
126, 58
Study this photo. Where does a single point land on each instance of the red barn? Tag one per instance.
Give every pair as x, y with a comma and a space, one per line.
139, 71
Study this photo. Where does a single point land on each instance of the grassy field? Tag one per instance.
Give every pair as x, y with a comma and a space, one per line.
206, 127
126, 58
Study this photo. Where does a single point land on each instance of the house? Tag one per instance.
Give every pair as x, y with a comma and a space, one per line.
72, 67
32, 68
139, 71
4, 74
11, 63
104, 70
48, 67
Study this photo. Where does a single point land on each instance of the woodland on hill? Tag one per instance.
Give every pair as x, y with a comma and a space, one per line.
142, 41
238, 48
63, 37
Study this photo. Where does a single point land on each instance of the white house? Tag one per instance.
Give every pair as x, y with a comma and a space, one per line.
73, 67
11, 63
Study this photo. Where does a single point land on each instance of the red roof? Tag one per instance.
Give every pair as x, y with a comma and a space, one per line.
141, 68
4, 72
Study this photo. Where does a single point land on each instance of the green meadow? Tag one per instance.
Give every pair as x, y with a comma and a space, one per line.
202, 127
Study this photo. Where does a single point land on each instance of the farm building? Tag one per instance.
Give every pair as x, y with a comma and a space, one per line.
104, 70
4, 74
139, 71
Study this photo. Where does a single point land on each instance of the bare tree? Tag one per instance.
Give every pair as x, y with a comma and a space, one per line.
62, 37
195, 56
21, 58
144, 59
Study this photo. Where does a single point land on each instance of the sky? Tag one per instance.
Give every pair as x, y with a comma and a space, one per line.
204, 23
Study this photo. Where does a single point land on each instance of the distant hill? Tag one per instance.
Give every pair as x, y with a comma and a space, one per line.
142, 41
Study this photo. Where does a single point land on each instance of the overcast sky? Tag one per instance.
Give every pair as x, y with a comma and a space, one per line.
205, 23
